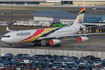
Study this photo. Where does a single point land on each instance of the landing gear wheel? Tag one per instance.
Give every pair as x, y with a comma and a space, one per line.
37, 44
47, 44
53, 45
10, 44
34, 44
57, 45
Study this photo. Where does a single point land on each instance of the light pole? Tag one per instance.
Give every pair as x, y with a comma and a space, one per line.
83, 2
12, 11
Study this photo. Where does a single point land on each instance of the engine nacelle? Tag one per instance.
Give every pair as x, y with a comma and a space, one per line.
82, 39
54, 41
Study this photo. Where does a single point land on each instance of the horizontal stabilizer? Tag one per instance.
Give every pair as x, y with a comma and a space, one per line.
8, 29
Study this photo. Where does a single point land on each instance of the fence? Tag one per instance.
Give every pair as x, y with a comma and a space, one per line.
32, 52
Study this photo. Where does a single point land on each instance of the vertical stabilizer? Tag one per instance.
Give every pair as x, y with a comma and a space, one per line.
80, 17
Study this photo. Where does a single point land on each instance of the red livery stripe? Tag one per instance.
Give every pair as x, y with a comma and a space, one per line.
82, 8
38, 31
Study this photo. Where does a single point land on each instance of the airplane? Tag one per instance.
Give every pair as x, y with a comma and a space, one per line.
50, 36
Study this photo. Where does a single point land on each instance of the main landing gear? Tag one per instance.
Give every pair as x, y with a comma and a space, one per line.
10, 44
37, 44
47, 44
57, 45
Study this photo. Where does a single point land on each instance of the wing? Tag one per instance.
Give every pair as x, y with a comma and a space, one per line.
71, 35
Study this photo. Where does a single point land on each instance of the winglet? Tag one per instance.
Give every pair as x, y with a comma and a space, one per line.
8, 29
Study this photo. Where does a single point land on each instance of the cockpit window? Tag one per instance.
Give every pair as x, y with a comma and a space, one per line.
7, 36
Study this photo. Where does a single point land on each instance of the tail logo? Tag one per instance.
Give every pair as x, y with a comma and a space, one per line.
79, 20
80, 17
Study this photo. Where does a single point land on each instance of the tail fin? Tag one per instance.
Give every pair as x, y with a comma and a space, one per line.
80, 17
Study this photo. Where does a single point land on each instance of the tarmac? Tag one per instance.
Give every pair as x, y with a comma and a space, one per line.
95, 43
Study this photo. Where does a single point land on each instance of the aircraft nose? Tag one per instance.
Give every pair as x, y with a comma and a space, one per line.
7, 41
2, 39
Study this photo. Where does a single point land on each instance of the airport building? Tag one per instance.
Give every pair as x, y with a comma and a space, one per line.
50, 16
55, 2
45, 16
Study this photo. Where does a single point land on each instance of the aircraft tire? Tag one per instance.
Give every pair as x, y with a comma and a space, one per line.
56, 45
34, 45
59, 45
47, 44
53, 45
10, 44
39, 44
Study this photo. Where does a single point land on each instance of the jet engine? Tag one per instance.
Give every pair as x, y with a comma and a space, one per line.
82, 39
54, 41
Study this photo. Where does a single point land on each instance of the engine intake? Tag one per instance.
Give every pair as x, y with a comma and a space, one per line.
82, 39
54, 41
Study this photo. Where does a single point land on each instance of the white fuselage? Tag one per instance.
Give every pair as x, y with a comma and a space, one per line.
28, 36
39, 35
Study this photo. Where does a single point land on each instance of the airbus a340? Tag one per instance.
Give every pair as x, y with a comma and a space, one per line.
51, 36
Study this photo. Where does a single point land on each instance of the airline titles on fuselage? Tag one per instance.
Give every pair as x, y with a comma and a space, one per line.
23, 34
